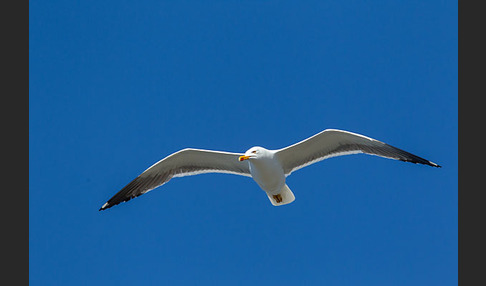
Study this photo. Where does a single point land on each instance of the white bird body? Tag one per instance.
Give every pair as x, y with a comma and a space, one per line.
266, 171
268, 168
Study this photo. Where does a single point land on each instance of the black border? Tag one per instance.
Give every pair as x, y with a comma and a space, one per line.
471, 125
15, 136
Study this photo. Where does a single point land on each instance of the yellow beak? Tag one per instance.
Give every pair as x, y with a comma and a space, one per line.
242, 158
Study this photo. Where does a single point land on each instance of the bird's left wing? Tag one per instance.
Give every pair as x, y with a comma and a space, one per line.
333, 142
182, 163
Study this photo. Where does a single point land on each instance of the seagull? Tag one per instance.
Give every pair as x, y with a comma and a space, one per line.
268, 168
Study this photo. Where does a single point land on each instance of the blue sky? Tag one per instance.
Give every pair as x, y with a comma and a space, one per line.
118, 85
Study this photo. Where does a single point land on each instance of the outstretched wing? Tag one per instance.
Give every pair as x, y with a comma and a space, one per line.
332, 142
182, 163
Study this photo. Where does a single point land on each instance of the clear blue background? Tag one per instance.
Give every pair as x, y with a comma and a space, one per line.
117, 85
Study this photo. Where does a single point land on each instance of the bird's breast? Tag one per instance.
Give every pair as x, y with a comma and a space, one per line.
268, 174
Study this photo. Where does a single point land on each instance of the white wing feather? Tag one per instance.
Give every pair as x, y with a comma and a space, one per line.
332, 142
186, 162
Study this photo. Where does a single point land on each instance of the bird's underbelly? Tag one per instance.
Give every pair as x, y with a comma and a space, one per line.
270, 177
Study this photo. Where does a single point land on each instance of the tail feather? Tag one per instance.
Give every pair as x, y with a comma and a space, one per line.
285, 196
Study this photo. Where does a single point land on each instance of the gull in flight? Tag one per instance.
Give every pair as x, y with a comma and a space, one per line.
268, 168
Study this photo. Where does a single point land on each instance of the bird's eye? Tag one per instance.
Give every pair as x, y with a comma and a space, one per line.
254, 152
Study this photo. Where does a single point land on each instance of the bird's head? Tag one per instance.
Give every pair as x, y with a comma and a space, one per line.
254, 153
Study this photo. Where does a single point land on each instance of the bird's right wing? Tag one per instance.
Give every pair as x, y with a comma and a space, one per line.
182, 163
332, 142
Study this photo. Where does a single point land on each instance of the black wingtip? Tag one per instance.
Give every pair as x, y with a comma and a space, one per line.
428, 163
104, 207
112, 203
433, 164
418, 160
